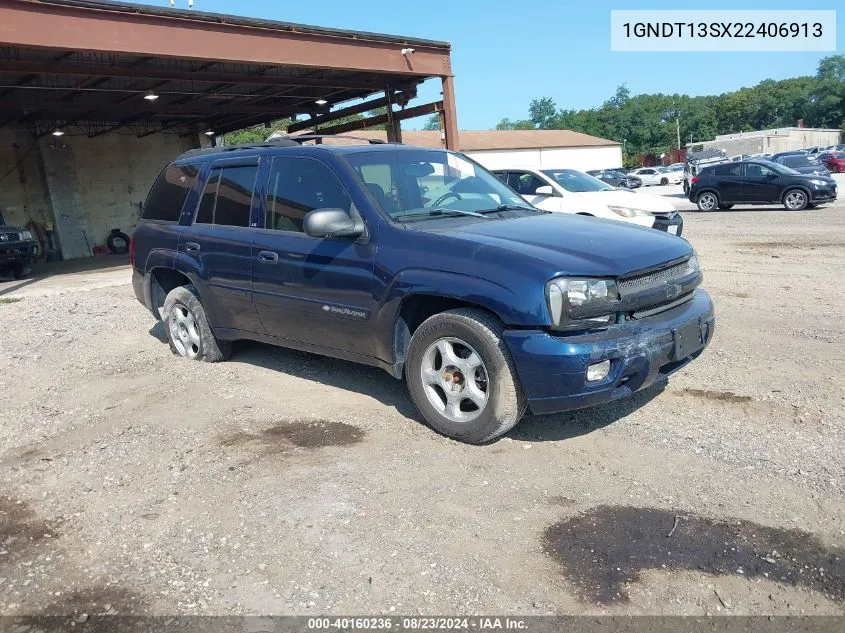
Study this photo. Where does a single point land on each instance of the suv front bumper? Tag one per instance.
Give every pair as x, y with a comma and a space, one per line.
669, 223
17, 252
552, 369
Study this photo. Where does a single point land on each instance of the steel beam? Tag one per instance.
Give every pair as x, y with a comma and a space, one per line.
400, 115
222, 38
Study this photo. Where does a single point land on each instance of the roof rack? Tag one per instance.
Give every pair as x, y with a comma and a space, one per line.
279, 141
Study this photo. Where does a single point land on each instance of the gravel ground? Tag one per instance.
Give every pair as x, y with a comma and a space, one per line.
281, 482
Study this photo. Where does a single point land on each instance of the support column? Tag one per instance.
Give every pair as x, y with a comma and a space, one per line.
450, 115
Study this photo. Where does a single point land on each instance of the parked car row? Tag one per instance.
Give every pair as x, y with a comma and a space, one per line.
572, 191
723, 185
421, 262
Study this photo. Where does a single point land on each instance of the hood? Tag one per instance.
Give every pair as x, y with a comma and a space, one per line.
811, 170
623, 198
576, 245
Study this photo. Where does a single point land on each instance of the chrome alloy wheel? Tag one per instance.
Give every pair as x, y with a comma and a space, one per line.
455, 379
184, 331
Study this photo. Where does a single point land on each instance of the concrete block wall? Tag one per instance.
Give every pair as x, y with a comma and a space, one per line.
98, 184
84, 186
23, 194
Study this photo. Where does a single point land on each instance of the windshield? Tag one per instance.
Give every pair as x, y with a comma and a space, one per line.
411, 182
780, 169
576, 181
799, 161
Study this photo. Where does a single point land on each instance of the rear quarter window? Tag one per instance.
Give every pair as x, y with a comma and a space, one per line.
168, 194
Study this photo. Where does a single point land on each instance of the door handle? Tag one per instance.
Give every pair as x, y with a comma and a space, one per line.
192, 247
268, 257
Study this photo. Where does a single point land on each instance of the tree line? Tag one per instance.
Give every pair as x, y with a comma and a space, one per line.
647, 123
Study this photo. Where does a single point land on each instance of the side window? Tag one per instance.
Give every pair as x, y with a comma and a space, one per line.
526, 184
728, 169
227, 197
501, 175
169, 192
754, 171
300, 185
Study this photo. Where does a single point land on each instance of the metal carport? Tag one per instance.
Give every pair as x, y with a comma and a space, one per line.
98, 69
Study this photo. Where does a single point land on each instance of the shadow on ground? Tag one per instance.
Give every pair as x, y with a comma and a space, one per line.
393, 393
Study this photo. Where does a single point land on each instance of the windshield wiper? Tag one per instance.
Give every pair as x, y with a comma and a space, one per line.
437, 212
508, 207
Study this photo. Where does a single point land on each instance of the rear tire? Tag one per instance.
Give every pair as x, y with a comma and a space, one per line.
474, 367
795, 200
707, 201
19, 270
686, 188
187, 328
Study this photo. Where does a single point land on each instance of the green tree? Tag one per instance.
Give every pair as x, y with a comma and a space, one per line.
432, 123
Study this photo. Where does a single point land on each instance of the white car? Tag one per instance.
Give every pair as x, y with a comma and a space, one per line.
572, 191
658, 176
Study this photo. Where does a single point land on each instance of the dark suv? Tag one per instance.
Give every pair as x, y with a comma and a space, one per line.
759, 182
422, 263
18, 250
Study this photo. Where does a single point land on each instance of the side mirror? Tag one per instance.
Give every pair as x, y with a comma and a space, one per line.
545, 190
331, 223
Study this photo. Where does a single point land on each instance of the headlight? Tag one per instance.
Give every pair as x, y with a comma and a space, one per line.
628, 212
818, 182
26, 235
563, 293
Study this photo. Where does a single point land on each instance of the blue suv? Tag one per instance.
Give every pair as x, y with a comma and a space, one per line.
421, 262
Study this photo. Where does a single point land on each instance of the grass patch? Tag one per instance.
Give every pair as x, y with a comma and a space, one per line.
4, 300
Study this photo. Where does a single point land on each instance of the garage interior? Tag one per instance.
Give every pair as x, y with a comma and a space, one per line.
95, 97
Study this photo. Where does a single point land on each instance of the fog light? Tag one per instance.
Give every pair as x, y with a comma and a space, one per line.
598, 371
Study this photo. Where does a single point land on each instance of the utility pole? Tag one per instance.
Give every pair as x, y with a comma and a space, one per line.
678, 129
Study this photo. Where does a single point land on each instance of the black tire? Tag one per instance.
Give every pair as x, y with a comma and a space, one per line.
206, 347
118, 242
707, 201
664, 181
19, 270
725, 207
686, 188
505, 404
795, 194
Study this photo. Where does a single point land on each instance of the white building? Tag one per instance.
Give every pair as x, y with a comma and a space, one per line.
522, 149
773, 141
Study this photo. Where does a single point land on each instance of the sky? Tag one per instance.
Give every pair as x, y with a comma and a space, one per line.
504, 54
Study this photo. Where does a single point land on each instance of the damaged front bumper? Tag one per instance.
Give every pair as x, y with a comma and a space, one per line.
552, 368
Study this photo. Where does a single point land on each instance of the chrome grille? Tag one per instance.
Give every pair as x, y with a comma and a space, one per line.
647, 280
660, 307
10, 237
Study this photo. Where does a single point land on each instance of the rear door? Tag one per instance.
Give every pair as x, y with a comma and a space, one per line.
220, 242
729, 183
317, 291
760, 184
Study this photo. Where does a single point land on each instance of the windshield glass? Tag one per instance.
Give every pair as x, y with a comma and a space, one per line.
799, 161
576, 181
777, 167
410, 182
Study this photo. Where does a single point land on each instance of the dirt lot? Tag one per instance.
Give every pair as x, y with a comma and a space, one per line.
281, 482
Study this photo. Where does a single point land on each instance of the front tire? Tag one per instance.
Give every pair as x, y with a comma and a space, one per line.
461, 376
664, 181
795, 200
707, 201
188, 331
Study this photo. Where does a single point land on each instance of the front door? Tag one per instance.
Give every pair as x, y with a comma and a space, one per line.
317, 291
220, 240
760, 183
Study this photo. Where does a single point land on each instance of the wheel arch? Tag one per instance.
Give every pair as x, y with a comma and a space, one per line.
413, 311
801, 188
